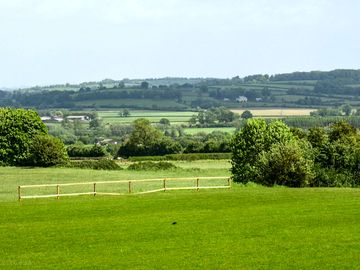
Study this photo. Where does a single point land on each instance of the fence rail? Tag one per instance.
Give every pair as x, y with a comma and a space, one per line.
94, 187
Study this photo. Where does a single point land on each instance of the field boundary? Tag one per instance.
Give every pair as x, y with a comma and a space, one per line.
93, 186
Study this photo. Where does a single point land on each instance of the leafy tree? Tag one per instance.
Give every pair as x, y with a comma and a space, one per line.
246, 115
341, 129
46, 151
147, 140
164, 121
298, 132
18, 127
347, 109
247, 145
285, 163
125, 113
144, 85
94, 123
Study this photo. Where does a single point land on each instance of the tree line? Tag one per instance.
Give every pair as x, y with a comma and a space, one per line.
274, 154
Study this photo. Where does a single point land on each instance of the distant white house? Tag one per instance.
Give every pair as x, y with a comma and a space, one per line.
258, 99
51, 118
45, 118
242, 99
58, 119
78, 117
226, 99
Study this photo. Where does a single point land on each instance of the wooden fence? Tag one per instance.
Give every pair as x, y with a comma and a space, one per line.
93, 187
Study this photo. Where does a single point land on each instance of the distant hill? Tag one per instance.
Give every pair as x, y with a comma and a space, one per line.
297, 89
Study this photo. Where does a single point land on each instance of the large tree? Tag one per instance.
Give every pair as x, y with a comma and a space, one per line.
147, 140
24, 140
254, 138
18, 127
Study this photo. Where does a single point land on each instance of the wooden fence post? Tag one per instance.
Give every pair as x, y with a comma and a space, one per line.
229, 182
19, 193
129, 187
57, 192
164, 184
94, 189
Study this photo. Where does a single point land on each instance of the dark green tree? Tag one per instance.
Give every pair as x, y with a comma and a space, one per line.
18, 127
144, 85
286, 163
246, 115
46, 151
247, 145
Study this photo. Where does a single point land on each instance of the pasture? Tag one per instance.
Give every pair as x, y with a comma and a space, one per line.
247, 227
153, 116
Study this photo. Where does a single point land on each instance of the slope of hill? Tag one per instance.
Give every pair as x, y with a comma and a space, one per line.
299, 89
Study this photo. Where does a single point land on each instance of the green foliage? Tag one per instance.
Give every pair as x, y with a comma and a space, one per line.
46, 151
78, 150
18, 127
246, 115
213, 117
147, 140
285, 163
100, 164
164, 121
347, 109
341, 129
184, 157
152, 166
247, 145
269, 155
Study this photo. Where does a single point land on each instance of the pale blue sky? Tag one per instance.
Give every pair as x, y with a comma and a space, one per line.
58, 41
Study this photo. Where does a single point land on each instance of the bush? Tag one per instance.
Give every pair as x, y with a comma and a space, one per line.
46, 151
152, 166
254, 138
100, 164
184, 157
86, 151
285, 164
325, 177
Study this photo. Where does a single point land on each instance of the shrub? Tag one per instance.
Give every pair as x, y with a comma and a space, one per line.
287, 164
183, 157
100, 164
86, 151
254, 138
152, 166
325, 177
46, 151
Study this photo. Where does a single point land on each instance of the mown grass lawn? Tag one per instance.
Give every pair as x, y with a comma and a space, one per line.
241, 228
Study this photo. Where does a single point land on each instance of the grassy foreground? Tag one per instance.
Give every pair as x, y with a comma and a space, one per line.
241, 228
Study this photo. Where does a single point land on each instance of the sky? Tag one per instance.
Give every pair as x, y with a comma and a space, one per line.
45, 42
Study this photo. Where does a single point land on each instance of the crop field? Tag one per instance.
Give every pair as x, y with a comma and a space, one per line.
246, 227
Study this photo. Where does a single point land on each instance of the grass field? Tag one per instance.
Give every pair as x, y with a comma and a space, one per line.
183, 117
153, 116
242, 228
193, 131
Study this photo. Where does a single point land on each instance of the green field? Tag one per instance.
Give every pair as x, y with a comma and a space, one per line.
153, 116
137, 103
193, 131
243, 228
